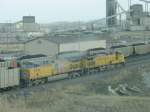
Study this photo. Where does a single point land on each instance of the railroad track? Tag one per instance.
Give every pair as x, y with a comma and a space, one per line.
137, 60
138, 57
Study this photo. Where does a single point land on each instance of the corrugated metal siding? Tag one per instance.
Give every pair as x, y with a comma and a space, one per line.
92, 44
82, 46
9, 77
69, 47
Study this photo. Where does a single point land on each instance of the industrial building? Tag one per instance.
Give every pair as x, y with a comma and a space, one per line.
29, 24
136, 18
140, 19
54, 45
136, 13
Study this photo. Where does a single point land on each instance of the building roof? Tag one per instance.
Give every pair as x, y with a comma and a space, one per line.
73, 38
15, 40
119, 46
32, 56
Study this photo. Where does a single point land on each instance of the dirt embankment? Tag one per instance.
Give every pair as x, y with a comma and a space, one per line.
89, 95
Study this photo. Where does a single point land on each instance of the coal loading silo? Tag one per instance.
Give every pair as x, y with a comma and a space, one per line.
111, 10
136, 13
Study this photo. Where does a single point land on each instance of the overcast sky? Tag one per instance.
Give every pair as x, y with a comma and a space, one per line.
54, 10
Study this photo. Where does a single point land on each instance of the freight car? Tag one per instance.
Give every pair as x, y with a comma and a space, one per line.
9, 74
9, 78
126, 50
141, 48
132, 50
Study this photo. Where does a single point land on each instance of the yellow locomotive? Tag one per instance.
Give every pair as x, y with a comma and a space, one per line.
71, 63
101, 59
37, 72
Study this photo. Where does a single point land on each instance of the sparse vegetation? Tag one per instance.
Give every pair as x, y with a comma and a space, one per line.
89, 95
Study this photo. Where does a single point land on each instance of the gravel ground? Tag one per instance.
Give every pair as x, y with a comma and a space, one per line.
146, 77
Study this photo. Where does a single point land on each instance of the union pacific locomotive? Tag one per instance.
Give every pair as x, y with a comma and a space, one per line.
38, 69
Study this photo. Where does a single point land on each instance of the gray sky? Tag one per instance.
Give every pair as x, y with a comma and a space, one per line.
54, 10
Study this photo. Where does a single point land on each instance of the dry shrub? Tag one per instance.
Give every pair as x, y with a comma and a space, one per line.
75, 88
122, 76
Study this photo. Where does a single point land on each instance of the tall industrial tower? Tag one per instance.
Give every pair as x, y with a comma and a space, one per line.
111, 9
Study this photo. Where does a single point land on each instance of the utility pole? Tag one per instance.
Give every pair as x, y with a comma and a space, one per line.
129, 4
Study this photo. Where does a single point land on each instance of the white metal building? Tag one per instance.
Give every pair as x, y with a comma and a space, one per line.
82, 46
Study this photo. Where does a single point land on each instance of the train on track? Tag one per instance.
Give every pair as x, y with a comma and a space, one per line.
38, 69
132, 50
